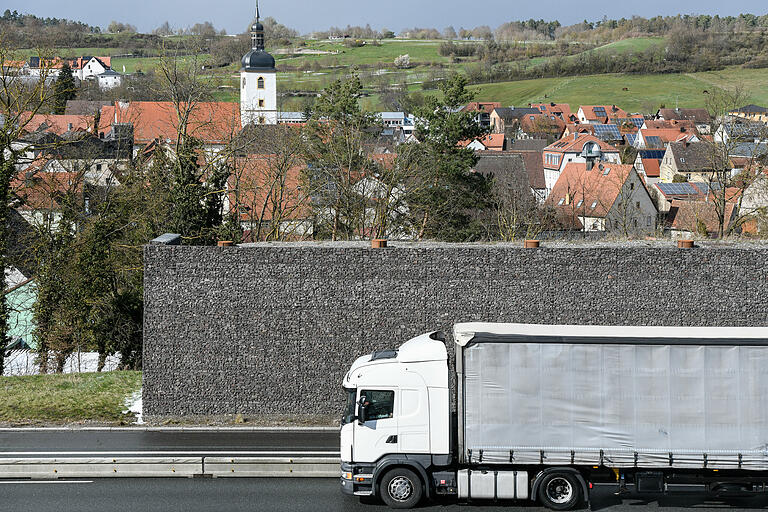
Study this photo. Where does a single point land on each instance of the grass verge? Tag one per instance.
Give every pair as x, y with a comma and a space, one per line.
69, 398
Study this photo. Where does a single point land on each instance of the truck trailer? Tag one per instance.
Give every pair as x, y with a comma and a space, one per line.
547, 412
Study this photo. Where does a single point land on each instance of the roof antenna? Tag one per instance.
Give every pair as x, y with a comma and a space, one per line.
257, 11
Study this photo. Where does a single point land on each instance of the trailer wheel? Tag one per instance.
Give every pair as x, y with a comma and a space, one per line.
401, 488
560, 491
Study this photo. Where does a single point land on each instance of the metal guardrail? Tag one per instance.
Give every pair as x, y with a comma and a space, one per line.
157, 467
303, 467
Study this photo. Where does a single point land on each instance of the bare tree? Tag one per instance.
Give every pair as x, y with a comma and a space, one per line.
727, 185
20, 99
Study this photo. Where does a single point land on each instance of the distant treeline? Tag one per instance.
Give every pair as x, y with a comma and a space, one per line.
681, 52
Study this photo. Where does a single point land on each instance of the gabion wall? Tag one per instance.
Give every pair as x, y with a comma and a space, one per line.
273, 328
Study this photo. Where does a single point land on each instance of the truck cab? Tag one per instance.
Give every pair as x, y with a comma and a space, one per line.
395, 429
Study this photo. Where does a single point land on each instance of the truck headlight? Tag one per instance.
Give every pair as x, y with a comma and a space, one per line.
346, 475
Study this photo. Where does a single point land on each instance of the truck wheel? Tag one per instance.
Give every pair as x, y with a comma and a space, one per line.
401, 488
559, 491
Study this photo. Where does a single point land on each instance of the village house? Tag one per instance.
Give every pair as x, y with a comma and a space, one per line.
214, 123
699, 116
484, 110
665, 193
693, 161
736, 130
687, 219
578, 148
599, 114
603, 196
490, 142
507, 118
751, 112
84, 68
648, 165
659, 138
515, 170
561, 111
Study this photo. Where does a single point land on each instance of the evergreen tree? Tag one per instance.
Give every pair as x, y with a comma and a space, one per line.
64, 89
444, 193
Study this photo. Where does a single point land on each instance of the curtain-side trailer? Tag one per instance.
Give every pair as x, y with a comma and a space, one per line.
545, 412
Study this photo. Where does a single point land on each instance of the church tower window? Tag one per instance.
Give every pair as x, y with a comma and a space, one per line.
260, 82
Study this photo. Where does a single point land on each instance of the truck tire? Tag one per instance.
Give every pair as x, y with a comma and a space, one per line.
401, 488
560, 491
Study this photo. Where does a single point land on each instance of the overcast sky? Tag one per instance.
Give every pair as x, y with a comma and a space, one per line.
309, 15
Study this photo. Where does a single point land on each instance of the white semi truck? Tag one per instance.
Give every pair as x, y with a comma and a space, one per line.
545, 412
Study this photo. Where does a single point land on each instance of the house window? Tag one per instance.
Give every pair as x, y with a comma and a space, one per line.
262, 120
580, 203
637, 204
594, 204
98, 167
243, 82
260, 82
560, 203
632, 186
261, 103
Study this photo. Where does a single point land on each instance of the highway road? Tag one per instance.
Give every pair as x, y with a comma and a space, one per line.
273, 495
168, 442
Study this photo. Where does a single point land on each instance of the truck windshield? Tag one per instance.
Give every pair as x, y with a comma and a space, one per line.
349, 410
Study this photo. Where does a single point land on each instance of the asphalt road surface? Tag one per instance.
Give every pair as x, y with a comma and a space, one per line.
255, 495
171, 443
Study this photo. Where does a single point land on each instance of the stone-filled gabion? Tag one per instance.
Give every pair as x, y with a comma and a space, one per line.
272, 328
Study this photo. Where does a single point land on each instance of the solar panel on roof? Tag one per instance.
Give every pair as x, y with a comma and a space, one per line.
600, 111
631, 138
657, 154
653, 141
607, 132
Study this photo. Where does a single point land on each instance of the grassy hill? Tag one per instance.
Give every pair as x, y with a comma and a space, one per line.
644, 92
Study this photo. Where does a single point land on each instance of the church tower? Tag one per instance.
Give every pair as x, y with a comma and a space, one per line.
258, 81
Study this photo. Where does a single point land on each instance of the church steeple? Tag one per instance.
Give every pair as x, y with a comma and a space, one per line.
257, 31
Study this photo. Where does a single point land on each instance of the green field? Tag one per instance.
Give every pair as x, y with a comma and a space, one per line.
370, 54
645, 93
70, 398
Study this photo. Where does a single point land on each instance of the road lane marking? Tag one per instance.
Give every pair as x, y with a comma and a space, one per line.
176, 453
44, 482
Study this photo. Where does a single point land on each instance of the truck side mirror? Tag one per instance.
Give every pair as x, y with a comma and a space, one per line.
362, 411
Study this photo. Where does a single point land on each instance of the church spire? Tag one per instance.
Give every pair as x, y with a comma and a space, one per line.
257, 31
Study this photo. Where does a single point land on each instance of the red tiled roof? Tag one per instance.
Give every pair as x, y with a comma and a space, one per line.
263, 192
212, 122
551, 109
58, 124
588, 193
40, 190
673, 124
688, 215
668, 134
492, 141
611, 111
571, 144
484, 106
652, 167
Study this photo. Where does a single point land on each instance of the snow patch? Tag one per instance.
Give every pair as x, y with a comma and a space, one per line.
134, 405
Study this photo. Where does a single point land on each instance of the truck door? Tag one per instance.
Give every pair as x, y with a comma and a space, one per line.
378, 435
